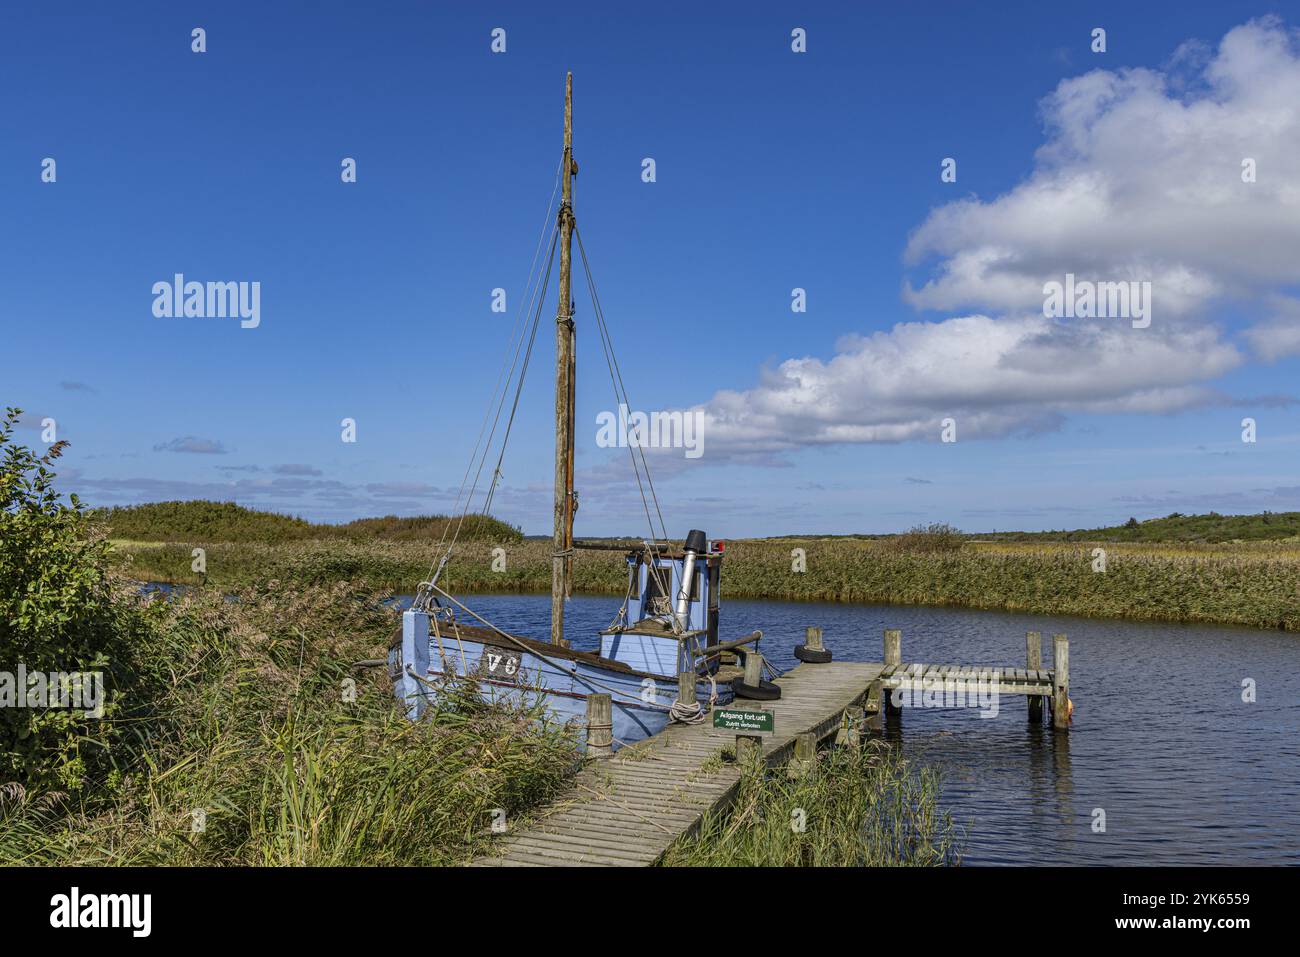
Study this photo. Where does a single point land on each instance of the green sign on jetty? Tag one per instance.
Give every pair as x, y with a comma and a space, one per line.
752, 722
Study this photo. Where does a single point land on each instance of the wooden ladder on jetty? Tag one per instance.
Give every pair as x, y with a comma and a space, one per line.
628, 809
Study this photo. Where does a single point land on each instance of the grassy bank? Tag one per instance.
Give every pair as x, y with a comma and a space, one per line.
261, 745
227, 522
1251, 583
865, 808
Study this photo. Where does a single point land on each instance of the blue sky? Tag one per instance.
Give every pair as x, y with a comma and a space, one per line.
774, 170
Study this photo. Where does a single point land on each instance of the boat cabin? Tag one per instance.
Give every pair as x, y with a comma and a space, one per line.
649, 642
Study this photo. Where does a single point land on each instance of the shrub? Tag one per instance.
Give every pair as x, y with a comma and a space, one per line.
57, 615
925, 539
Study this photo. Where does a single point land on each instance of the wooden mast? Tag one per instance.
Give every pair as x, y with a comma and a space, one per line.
561, 563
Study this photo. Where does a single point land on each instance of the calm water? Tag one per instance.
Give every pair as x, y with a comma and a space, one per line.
1185, 771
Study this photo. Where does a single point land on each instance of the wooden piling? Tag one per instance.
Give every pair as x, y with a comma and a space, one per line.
749, 747
1061, 684
753, 668
805, 754
851, 734
893, 647
686, 688
893, 656
813, 639
1034, 662
600, 726
874, 706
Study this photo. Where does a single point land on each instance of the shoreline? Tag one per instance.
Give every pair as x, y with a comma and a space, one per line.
1251, 585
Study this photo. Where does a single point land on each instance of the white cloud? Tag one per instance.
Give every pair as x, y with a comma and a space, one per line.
1140, 178
1277, 336
994, 376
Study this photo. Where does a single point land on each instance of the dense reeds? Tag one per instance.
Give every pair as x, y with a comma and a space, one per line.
867, 808
1254, 583
264, 745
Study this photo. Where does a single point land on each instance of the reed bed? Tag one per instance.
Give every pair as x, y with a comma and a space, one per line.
262, 745
855, 808
1255, 584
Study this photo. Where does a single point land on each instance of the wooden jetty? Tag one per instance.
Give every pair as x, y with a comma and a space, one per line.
628, 809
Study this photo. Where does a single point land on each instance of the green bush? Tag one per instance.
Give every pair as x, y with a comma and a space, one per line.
57, 615
928, 539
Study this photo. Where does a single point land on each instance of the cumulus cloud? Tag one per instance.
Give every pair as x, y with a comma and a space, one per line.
995, 377
1139, 179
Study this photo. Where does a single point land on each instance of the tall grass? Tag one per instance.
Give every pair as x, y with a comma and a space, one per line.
1255, 584
255, 754
855, 808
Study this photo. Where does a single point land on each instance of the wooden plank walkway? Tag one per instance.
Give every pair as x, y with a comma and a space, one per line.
628, 809
1010, 681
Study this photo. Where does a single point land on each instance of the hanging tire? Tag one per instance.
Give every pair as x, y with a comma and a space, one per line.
804, 653
764, 691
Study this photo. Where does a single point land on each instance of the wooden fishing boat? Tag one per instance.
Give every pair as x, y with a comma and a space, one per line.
659, 660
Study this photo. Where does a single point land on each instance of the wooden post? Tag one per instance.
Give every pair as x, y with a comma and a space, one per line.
562, 539
600, 726
753, 668
1034, 662
749, 747
851, 732
686, 688
893, 656
874, 705
805, 754
813, 639
1061, 686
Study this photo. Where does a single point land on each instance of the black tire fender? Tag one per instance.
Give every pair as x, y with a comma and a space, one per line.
764, 691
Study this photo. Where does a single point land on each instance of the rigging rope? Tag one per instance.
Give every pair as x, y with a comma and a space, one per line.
532, 338
502, 386
620, 395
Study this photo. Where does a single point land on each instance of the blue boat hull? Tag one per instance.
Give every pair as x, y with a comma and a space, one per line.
519, 675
